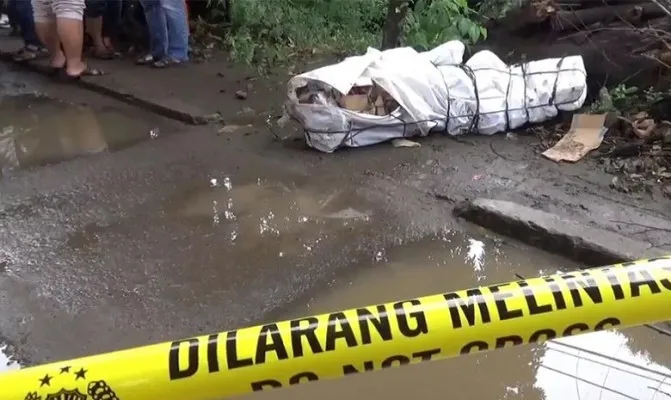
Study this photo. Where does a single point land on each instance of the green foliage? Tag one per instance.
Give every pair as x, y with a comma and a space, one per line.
652, 96
623, 98
499, 8
272, 32
435, 22
265, 33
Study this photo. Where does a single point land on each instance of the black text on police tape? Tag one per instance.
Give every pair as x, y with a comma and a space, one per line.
473, 308
338, 331
538, 336
349, 369
470, 310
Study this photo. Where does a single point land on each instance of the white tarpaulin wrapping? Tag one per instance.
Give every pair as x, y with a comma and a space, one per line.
435, 91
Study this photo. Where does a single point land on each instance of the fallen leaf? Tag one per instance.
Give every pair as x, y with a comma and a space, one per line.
643, 128
236, 129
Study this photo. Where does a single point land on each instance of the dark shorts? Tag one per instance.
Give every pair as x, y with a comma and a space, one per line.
110, 10
95, 8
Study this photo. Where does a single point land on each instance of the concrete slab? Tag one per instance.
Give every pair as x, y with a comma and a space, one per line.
569, 238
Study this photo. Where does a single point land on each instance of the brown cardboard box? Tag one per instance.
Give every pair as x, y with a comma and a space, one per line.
355, 102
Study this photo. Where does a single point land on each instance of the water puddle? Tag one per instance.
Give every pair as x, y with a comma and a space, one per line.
260, 196
241, 233
255, 212
270, 218
605, 365
37, 130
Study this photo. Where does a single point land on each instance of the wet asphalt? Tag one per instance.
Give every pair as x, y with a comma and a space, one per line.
119, 228
180, 231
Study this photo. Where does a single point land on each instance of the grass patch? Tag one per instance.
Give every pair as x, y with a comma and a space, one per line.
270, 33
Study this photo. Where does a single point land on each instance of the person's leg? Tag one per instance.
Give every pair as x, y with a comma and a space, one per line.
94, 25
45, 27
32, 47
70, 28
158, 30
178, 32
24, 16
111, 23
187, 11
12, 15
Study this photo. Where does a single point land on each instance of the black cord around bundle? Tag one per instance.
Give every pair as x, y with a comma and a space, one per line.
471, 73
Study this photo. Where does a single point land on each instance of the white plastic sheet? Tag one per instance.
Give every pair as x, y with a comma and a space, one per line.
436, 92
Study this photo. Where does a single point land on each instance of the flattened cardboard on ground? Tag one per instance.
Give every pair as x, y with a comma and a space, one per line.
586, 134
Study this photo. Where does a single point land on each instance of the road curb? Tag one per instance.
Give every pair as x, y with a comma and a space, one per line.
128, 98
585, 244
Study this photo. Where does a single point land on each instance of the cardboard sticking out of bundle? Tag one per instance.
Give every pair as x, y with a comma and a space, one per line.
368, 99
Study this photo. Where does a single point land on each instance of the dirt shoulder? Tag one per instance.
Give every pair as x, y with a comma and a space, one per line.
514, 170
198, 94
498, 167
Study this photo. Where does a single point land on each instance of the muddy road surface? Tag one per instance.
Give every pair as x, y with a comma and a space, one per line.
173, 233
119, 228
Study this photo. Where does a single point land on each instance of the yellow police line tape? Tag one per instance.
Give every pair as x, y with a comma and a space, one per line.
364, 339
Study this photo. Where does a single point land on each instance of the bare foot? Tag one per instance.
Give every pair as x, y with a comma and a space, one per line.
75, 69
57, 60
108, 43
76, 74
105, 53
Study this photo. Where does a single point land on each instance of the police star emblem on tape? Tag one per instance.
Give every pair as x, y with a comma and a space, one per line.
70, 383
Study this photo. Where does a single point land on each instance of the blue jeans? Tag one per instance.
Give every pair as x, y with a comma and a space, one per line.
11, 13
168, 29
22, 11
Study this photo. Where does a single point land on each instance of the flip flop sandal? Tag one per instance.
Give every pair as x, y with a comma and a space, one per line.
29, 54
101, 55
145, 60
55, 72
168, 63
105, 55
87, 72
